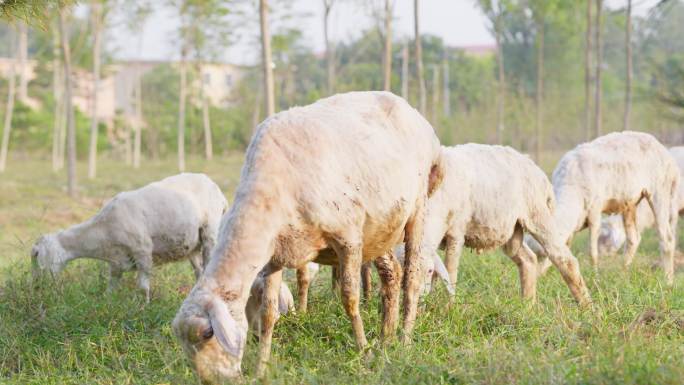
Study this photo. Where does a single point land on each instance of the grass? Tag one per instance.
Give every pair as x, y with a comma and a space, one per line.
71, 332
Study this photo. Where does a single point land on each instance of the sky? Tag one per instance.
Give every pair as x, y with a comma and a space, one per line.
458, 22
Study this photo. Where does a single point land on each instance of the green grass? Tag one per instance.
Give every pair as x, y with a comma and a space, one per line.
71, 331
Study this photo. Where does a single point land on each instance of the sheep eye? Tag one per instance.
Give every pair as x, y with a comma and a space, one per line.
34, 254
208, 333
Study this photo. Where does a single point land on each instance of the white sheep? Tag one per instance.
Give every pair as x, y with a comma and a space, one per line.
489, 197
612, 235
174, 219
339, 182
611, 175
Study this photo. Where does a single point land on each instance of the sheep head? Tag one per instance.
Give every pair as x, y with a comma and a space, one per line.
431, 265
611, 236
211, 337
48, 255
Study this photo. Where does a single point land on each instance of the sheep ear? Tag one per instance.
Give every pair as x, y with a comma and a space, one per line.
441, 270
226, 330
285, 299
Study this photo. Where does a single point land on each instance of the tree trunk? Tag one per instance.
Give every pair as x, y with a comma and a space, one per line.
599, 58
23, 62
435, 93
137, 138
628, 51
57, 90
446, 102
181, 113
267, 61
419, 59
387, 56
539, 94
405, 71
69, 109
97, 32
9, 109
500, 108
587, 73
206, 121
329, 49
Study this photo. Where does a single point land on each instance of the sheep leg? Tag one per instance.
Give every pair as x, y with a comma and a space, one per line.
454, 248
632, 234
144, 265
526, 262
197, 265
350, 271
594, 232
662, 211
389, 271
366, 281
115, 273
207, 238
412, 280
269, 314
559, 254
303, 282
335, 279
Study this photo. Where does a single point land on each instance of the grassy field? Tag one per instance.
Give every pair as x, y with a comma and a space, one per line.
71, 332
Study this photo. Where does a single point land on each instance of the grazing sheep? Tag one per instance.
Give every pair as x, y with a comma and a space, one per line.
489, 197
612, 235
305, 275
336, 182
612, 175
254, 309
169, 220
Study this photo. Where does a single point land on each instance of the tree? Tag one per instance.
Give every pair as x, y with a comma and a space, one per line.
387, 56
266, 58
419, 59
494, 10
97, 20
57, 93
405, 71
628, 53
599, 59
31, 11
329, 47
446, 90
69, 108
587, 73
9, 109
23, 62
181, 108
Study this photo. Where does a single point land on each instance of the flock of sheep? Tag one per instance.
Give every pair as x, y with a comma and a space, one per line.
361, 178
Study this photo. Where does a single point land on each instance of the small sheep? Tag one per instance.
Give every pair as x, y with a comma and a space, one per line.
170, 220
338, 182
489, 197
612, 235
612, 175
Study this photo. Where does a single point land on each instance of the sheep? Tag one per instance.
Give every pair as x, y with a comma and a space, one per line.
612, 235
169, 220
611, 175
254, 307
337, 182
489, 197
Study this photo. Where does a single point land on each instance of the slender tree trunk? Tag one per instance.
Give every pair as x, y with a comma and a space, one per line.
419, 59
69, 110
599, 59
435, 93
267, 61
137, 138
587, 72
540, 90
57, 92
9, 109
23, 62
181, 113
405, 71
500, 108
445, 88
97, 35
206, 121
628, 51
329, 48
387, 56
